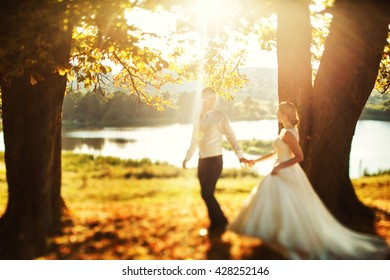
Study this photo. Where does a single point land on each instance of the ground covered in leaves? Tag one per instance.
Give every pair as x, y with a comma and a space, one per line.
150, 219
116, 213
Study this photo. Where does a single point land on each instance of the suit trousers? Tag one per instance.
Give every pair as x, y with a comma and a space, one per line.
209, 171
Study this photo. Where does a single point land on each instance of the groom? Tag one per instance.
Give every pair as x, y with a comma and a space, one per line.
208, 134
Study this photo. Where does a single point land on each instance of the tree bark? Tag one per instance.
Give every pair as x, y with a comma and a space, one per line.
32, 136
294, 60
345, 79
31, 122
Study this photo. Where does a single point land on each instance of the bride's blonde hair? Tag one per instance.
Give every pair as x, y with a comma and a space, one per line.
290, 111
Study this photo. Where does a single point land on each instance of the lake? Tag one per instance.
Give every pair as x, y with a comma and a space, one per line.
170, 143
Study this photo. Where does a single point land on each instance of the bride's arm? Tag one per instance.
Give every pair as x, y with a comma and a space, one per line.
292, 142
267, 156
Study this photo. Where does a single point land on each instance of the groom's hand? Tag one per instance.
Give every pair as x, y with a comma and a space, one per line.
244, 160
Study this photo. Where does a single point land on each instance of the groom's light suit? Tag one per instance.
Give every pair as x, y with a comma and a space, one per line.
208, 136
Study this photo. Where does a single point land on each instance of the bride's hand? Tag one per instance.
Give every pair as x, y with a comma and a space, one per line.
275, 170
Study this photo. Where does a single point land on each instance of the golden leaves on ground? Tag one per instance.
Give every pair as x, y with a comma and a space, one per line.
119, 217
148, 233
375, 193
148, 219
161, 219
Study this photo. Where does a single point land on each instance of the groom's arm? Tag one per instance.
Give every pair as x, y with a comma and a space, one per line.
193, 146
227, 130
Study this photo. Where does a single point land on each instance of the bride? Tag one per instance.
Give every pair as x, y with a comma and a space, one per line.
286, 213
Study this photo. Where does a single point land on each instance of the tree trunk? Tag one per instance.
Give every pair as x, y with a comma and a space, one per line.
32, 124
294, 60
32, 136
345, 79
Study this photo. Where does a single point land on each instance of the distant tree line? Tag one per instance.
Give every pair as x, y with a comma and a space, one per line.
377, 107
122, 109
117, 109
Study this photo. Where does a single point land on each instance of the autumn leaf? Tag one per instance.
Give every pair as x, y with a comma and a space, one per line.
33, 81
62, 71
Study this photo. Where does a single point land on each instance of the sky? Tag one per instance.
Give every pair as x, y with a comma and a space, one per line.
260, 58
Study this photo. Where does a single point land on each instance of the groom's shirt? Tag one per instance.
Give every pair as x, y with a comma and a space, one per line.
208, 135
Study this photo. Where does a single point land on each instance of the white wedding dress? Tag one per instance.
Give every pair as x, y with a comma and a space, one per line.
286, 213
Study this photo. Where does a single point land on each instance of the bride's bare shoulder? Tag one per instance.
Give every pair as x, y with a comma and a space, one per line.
291, 132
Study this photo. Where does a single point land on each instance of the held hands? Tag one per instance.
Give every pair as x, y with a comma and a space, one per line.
247, 162
251, 162
244, 161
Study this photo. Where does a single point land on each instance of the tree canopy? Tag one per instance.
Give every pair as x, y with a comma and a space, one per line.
105, 37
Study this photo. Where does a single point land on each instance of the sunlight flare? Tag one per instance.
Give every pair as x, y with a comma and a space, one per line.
208, 11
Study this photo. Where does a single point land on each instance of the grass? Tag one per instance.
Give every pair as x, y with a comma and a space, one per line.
116, 214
